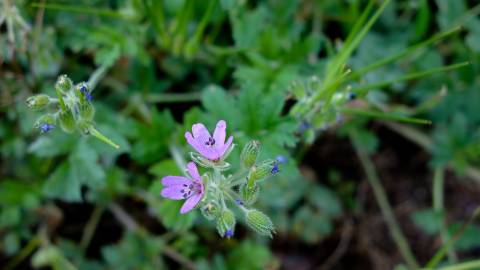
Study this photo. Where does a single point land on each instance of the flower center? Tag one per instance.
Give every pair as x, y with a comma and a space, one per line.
210, 142
190, 189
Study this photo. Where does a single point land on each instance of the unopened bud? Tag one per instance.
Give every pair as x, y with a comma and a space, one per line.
249, 194
38, 102
86, 110
226, 223
265, 169
63, 84
210, 211
67, 121
84, 126
45, 123
260, 223
250, 153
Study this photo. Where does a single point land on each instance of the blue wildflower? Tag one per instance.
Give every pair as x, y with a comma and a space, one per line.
87, 94
275, 168
229, 233
238, 201
44, 128
352, 96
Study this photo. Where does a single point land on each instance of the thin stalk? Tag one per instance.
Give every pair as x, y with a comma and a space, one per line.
438, 206
23, 254
174, 97
130, 224
178, 158
81, 9
388, 116
435, 260
94, 132
425, 142
60, 100
97, 75
461, 266
407, 51
91, 227
385, 207
362, 90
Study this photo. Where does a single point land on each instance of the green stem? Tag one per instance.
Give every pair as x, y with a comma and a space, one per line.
81, 9
174, 97
461, 266
102, 137
444, 250
24, 253
396, 56
91, 227
438, 206
383, 115
178, 158
97, 75
362, 90
385, 207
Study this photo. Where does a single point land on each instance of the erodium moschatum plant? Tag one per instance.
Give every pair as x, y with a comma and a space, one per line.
217, 190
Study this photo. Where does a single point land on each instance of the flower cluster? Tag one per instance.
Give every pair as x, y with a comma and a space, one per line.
303, 92
214, 191
74, 110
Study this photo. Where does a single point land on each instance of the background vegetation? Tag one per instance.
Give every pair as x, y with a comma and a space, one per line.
387, 180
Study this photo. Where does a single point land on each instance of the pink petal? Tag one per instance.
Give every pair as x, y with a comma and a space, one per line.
201, 147
220, 132
191, 202
173, 192
193, 171
175, 180
226, 145
199, 130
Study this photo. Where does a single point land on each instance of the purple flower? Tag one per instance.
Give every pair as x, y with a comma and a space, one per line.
180, 187
211, 147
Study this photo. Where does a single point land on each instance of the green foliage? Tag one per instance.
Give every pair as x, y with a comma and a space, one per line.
280, 72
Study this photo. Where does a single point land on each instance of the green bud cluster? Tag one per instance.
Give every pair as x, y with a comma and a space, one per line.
242, 189
73, 109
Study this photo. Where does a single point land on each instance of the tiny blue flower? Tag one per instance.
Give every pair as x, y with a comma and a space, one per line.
85, 91
352, 96
304, 126
46, 128
238, 201
229, 233
275, 169
281, 159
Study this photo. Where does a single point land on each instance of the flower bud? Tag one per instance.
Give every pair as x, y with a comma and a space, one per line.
82, 91
262, 170
260, 223
86, 110
45, 123
249, 194
38, 102
84, 126
63, 84
67, 121
250, 153
210, 210
226, 223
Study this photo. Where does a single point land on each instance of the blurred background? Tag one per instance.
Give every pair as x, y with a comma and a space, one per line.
390, 180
